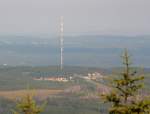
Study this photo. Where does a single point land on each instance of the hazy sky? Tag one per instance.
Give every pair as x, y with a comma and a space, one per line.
130, 17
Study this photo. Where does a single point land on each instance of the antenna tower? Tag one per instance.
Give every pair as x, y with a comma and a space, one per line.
61, 42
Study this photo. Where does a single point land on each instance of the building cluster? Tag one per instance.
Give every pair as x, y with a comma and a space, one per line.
55, 79
93, 76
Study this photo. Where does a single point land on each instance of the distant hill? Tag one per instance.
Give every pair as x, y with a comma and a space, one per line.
84, 50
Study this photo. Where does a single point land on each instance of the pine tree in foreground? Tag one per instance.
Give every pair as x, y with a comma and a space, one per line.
124, 97
27, 105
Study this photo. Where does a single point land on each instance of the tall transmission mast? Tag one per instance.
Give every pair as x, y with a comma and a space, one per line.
61, 42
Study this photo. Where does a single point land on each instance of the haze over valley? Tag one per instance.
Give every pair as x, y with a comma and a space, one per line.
83, 50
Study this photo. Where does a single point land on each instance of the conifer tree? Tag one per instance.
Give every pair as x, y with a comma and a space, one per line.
123, 96
27, 105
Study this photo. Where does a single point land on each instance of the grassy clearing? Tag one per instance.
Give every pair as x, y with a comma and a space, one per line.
40, 93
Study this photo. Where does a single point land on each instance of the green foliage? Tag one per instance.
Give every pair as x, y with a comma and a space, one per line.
27, 105
124, 93
141, 107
